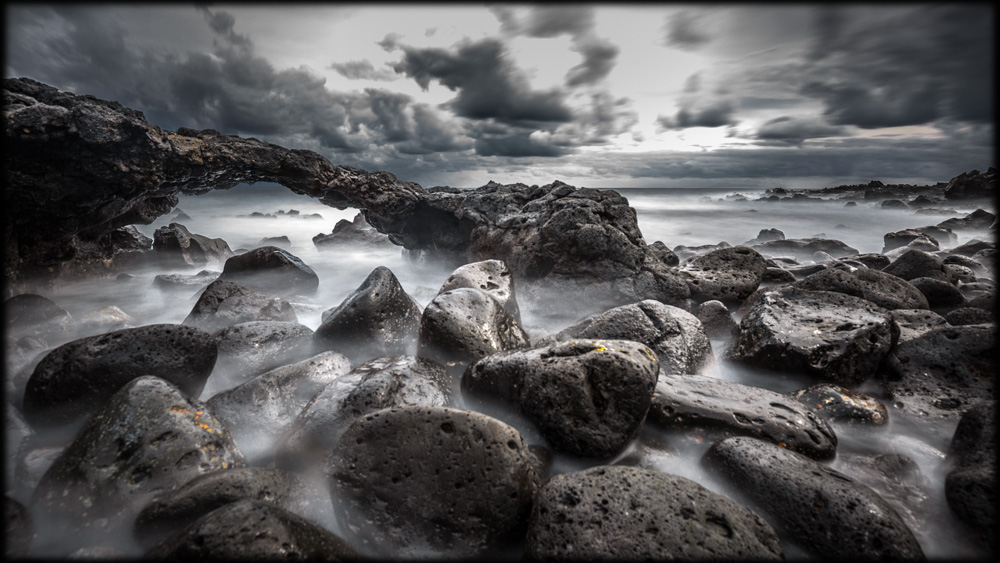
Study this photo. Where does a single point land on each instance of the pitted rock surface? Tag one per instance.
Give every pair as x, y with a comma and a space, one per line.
147, 439
919, 264
837, 337
225, 303
75, 379
675, 336
970, 316
978, 219
175, 245
378, 319
882, 289
971, 486
695, 401
178, 509
425, 481
356, 233
490, 276
628, 513
836, 403
822, 510
726, 274
252, 529
587, 397
249, 349
271, 270
941, 295
262, 409
716, 319
911, 323
803, 249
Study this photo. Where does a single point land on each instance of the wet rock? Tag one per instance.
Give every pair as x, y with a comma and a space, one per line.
270, 269
261, 410
873, 260
819, 257
765, 235
378, 319
105, 319
178, 509
962, 273
958, 260
971, 247
803, 249
773, 276
970, 316
971, 486
693, 401
882, 289
919, 264
353, 233
977, 220
675, 336
491, 276
972, 185
716, 320
148, 439
251, 529
937, 375
987, 257
838, 337
821, 510
19, 530
586, 397
224, 303
76, 378
941, 295
199, 281
839, 404
176, 246
18, 437
727, 275
22, 355
430, 481
616, 512
249, 349
29, 314
33, 465
906, 237
463, 325
911, 323
664, 254
280, 242
685, 253
893, 204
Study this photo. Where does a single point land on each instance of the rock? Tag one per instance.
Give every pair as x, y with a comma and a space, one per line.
804, 248
765, 235
148, 439
177, 246
18, 439
280, 242
225, 303
958, 260
19, 530
911, 323
970, 487
378, 319
29, 314
882, 289
664, 254
873, 260
727, 275
838, 404
693, 401
837, 337
919, 264
905, 237
425, 481
851, 204
979, 294
32, 466
251, 529
970, 316
105, 319
922, 201
675, 336
971, 247
176, 510
261, 410
199, 281
773, 276
962, 273
819, 257
249, 349
21, 357
353, 233
987, 257
972, 185
977, 220
893, 204
616, 512
934, 377
821, 510
716, 320
270, 269
463, 325
586, 397
685, 253
75, 379
941, 295
490, 276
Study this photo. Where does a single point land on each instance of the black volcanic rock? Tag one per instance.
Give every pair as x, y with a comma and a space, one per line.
885, 290
270, 269
29, 314
356, 233
176, 246
919, 264
727, 274
836, 403
972, 185
805, 248
971, 486
977, 220
225, 303
490, 276
199, 281
249, 349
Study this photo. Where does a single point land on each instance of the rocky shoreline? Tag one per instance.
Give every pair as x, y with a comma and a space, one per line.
395, 430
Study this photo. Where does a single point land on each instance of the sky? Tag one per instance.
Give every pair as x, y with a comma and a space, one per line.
597, 95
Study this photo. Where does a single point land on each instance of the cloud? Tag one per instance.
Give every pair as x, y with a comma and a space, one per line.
717, 114
797, 129
516, 145
363, 69
684, 30
555, 20
598, 61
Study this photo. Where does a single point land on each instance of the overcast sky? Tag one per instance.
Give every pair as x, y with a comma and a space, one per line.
598, 95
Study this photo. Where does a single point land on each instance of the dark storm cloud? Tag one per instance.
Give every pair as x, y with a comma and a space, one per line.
223, 23
683, 30
432, 134
363, 70
797, 129
488, 85
516, 145
598, 61
718, 114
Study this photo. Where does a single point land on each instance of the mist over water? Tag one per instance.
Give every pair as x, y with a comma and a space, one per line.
675, 217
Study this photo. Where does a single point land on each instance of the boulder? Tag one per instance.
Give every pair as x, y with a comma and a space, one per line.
882, 289
839, 338
873, 260
378, 319
979, 219
75, 379
664, 254
252, 529
628, 513
893, 204
675, 336
972, 185
586, 397
249, 349
716, 319
727, 275
171, 282
19, 530
29, 314
970, 316
105, 319
804, 248
970, 248
911, 323
146, 440
970, 486
490, 276
728, 408
821, 510
906, 237
281, 242
356, 233
839, 404
225, 303
765, 235
261, 410
941, 295
174, 245
919, 264
431, 481
974, 265
270, 269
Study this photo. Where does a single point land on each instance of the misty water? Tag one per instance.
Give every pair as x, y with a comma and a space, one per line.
691, 217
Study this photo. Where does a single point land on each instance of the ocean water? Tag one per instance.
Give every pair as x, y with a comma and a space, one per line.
674, 216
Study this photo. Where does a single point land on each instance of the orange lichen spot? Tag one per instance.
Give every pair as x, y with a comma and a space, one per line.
180, 409
600, 349
782, 444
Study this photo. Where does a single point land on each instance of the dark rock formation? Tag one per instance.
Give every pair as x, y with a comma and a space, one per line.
911, 323
694, 401
824, 511
765, 235
905, 237
971, 486
920, 264
426, 481
176, 246
979, 219
971, 247
804, 248
716, 319
970, 316
29, 314
19, 530
75, 379
941, 295
972, 185
281, 242
729, 275
632, 514
356, 233
225, 303
199, 281
885, 290
249, 349
490, 276
272, 270
836, 403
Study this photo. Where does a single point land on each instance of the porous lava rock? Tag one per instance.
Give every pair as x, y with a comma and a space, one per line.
490, 276
249, 349
972, 185
836, 403
911, 323
224, 303
355, 233
729, 275
175, 245
971, 486
272, 270
883, 289
716, 319
941, 295
803, 249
